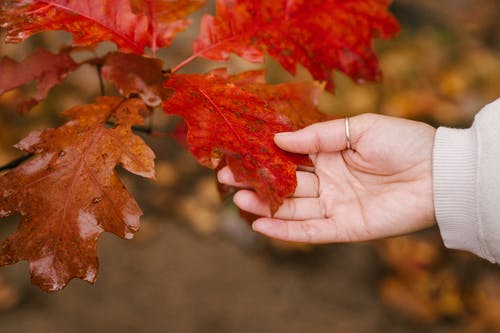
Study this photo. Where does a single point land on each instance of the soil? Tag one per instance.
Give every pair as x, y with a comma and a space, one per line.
181, 281
179, 277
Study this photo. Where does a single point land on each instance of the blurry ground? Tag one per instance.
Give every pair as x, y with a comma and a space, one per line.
196, 267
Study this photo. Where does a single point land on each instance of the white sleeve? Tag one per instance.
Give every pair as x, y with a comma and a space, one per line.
466, 180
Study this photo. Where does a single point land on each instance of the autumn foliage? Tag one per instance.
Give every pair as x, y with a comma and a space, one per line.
231, 118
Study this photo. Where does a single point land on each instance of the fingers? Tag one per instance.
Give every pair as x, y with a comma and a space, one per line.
291, 209
307, 183
321, 137
225, 176
309, 231
328, 136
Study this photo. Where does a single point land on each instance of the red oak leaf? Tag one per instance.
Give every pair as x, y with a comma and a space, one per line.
94, 21
322, 35
42, 66
232, 120
135, 74
166, 18
69, 193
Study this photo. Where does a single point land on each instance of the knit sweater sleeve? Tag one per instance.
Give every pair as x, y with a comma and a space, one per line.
466, 180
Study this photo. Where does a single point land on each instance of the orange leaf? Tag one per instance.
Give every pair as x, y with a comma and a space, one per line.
322, 35
232, 120
69, 193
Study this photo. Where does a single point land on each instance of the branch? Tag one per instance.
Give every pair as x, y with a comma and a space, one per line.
140, 129
98, 66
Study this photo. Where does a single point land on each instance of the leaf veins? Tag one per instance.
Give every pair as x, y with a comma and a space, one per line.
69, 193
94, 21
322, 35
232, 120
165, 18
46, 68
135, 74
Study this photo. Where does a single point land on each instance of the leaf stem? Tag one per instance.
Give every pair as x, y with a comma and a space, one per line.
185, 62
141, 129
14, 163
101, 81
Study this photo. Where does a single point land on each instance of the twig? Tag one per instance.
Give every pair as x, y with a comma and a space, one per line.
101, 81
141, 129
14, 163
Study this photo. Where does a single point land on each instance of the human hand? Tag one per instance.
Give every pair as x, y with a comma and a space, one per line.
381, 187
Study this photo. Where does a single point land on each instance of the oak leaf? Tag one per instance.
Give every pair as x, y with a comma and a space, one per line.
69, 193
135, 74
166, 18
46, 68
94, 21
232, 120
322, 35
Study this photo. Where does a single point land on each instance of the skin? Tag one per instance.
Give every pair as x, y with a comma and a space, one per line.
381, 187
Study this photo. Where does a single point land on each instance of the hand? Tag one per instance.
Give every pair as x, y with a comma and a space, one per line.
381, 187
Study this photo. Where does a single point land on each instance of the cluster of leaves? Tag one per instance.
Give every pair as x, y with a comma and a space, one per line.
231, 119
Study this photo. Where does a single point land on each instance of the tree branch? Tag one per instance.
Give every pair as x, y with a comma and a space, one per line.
98, 66
139, 129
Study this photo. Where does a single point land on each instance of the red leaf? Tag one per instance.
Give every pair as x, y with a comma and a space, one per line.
166, 18
322, 35
233, 120
134, 74
69, 193
94, 21
42, 66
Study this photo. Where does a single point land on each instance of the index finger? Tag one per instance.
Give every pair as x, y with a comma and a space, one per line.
327, 136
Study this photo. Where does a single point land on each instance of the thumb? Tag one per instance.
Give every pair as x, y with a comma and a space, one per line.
328, 136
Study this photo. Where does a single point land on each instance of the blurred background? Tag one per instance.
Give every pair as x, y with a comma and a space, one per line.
195, 266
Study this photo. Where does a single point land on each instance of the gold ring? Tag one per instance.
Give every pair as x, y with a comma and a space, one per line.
347, 133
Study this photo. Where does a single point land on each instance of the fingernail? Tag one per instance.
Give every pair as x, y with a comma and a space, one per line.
222, 176
260, 226
282, 137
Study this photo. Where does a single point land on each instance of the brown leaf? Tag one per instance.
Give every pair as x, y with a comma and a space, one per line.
134, 74
69, 193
